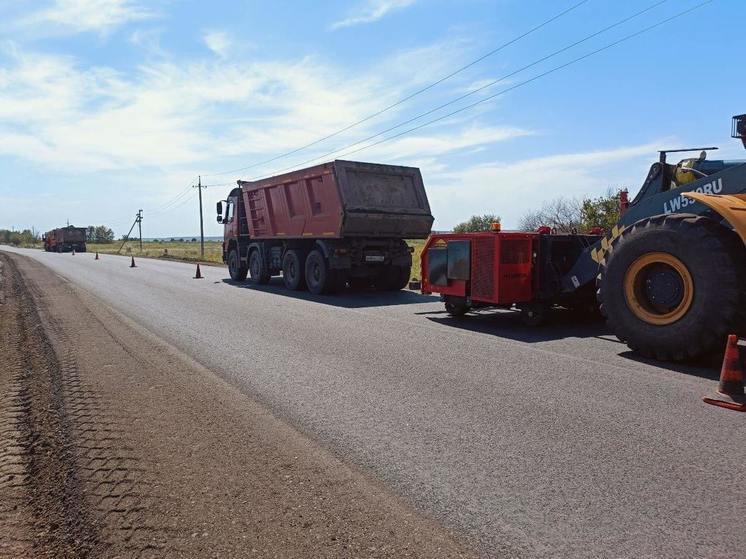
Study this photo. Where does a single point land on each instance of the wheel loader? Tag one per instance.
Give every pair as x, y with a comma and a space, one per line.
670, 276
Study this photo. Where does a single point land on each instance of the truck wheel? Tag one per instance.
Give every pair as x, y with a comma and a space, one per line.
396, 277
293, 270
456, 306
236, 271
258, 271
673, 286
319, 278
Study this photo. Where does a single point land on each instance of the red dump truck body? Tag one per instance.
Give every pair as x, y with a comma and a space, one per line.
327, 226
339, 199
65, 239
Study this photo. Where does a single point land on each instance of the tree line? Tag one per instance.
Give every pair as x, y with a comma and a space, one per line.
29, 237
563, 215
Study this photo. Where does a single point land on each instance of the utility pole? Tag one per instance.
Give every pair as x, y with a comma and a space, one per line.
139, 226
199, 188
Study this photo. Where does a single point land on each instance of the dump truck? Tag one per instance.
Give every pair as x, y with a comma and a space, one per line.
326, 226
65, 239
670, 276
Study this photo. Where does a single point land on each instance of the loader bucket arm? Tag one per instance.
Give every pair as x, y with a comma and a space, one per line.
731, 207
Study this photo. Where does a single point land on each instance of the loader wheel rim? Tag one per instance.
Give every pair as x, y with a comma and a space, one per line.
659, 288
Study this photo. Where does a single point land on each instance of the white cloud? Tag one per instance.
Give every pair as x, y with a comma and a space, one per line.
371, 11
218, 42
76, 16
461, 139
513, 189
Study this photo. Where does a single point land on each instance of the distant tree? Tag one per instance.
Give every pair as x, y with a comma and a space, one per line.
565, 215
561, 214
600, 212
90, 234
476, 223
102, 234
27, 237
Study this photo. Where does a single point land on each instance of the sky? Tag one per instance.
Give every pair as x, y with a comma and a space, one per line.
110, 106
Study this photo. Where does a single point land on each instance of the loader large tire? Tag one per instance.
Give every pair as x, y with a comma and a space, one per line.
673, 287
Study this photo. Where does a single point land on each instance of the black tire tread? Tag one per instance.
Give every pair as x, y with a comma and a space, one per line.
707, 334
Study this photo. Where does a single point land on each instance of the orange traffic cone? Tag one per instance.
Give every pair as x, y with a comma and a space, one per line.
730, 393
96, 256
198, 275
132, 265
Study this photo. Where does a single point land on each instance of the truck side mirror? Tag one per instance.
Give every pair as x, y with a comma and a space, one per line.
219, 207
220, 219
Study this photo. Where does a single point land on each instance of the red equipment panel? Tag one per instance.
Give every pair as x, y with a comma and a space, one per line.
501, 269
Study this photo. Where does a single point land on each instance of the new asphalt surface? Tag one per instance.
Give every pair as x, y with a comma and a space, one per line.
547, 442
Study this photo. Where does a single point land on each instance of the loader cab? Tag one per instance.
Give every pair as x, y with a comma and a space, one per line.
664, 176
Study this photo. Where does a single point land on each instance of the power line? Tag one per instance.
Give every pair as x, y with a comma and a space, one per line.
186, 190
543, 74
408, 97
477, 90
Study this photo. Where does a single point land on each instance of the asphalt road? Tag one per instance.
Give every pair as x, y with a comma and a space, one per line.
550, 442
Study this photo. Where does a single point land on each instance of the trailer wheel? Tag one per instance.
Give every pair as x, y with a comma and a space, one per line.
672, 287
259, 273
456, 306
534, 314
236, 271
319, 278
293, 270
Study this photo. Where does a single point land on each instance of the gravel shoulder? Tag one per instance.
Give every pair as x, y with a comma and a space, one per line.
115, 444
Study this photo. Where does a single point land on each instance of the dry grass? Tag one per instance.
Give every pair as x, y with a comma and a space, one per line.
164, 250
213, 251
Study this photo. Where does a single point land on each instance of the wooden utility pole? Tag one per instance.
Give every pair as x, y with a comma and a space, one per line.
139, 226
199, 188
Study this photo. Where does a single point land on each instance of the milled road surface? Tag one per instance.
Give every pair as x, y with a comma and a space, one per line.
115, 445
552, 442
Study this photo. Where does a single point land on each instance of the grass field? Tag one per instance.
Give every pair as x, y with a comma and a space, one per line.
191, 251
174, 250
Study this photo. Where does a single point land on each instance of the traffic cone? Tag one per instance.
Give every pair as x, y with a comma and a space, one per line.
96, 256
132, 265
730, 393
73, 252
198, 275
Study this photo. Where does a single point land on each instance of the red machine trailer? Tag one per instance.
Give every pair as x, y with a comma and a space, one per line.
503, 269
326, 225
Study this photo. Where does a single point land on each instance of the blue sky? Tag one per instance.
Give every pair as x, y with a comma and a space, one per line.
108, 106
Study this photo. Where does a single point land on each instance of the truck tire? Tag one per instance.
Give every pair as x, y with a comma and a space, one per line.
673, 287
396, 277
293, 270
257, 269
236, 271
319, 277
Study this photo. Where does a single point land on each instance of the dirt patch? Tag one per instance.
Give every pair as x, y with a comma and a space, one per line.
123, 447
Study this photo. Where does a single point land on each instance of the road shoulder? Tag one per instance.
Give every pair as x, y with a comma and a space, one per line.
160, 457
